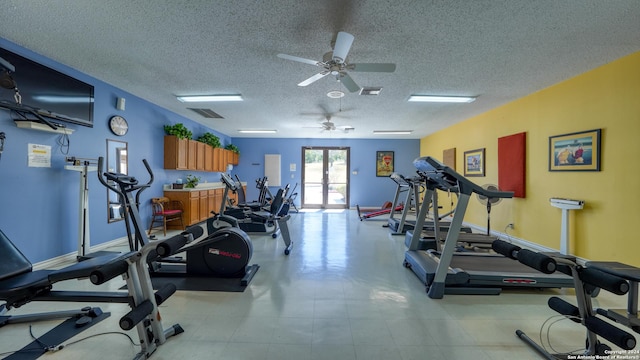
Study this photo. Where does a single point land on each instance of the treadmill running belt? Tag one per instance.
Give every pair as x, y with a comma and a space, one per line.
502, 265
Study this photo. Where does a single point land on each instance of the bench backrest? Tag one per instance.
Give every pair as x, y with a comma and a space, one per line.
12, 262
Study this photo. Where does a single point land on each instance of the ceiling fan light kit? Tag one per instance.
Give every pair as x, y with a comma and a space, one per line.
441, 98
335, 63
335, 94
210, 98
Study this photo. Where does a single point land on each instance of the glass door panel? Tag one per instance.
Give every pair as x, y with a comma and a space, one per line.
313, 177
337, 172
325, 178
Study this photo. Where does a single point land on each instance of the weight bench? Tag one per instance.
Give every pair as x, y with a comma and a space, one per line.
586, 281
20, 284
628, 317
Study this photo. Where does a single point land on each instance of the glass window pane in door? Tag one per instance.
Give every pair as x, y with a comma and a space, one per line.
313, 176
337, 176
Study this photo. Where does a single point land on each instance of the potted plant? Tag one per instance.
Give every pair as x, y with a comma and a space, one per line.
176, 144
233, 148
210, 139
178, 130
235, 154
192, 181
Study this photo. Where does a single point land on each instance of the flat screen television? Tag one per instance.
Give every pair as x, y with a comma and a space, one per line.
69, 99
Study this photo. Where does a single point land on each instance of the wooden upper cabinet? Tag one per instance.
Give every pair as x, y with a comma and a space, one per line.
175, 153
184, 154
200, 155
192, 154
219, 164
208, 158
235, 158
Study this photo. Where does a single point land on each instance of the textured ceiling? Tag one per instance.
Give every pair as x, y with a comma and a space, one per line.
498, 50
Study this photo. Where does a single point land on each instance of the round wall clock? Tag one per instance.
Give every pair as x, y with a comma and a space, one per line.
118, 125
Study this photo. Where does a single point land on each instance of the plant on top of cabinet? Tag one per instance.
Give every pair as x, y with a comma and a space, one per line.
192, 181
210, 139
233, 148
178, 130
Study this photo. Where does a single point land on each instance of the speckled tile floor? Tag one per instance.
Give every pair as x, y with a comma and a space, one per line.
341, 294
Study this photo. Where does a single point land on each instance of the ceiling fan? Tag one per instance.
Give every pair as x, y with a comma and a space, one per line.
334, 63
328, 125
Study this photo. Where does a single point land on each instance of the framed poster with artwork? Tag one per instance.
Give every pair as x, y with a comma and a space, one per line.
578, 151
474, 162
384, 163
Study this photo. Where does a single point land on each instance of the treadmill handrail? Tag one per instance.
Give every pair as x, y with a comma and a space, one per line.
447, 179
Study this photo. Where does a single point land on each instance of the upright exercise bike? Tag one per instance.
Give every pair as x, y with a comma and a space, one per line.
225, 252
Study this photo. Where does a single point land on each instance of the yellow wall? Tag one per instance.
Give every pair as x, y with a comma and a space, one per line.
607, 98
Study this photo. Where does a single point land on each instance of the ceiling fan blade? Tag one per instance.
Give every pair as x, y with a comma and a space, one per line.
298, 59
314, 78
342, 46
372, 67
348, 82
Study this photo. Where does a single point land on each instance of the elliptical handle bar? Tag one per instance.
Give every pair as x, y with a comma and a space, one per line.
148, 184
101, 177
132, 180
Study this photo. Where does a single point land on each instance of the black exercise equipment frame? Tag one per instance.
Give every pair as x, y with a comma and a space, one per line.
236, 266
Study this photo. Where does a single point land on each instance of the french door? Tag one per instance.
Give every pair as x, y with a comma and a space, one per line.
325, 177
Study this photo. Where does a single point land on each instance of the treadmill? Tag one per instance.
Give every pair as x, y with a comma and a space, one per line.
412, 186
467, 240
449, 272
397, 225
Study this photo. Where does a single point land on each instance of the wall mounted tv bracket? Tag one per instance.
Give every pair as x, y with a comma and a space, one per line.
7, 82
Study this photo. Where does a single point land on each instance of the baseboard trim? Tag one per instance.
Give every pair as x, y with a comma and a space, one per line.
520, 242
71, 257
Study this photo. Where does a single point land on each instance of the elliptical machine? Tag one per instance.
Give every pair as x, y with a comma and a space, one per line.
225, 252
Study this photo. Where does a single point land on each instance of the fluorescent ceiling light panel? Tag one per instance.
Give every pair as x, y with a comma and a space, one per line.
392, 132
210, 98
258, 131
442, 99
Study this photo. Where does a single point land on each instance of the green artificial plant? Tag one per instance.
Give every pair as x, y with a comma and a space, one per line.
192, 181
233, 148
178, 130
210, 139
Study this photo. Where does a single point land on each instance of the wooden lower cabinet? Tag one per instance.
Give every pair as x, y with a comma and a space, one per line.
192, 213
198, 204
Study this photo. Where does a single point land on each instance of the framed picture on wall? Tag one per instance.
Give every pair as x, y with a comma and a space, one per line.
384, 163
579, 151
474, 162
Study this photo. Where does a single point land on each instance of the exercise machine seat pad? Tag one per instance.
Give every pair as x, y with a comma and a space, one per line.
13, 261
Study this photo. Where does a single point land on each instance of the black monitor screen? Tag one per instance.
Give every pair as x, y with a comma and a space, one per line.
44, 88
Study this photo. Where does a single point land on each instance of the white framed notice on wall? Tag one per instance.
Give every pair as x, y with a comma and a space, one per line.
39, 155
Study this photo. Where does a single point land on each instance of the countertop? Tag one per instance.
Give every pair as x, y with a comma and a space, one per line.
203, 186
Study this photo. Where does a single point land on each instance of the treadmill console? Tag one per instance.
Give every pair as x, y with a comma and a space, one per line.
448, 179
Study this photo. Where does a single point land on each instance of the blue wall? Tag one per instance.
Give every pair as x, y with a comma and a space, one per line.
366, 189
39, 211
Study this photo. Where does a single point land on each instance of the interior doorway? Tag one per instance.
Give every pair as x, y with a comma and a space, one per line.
325, 177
